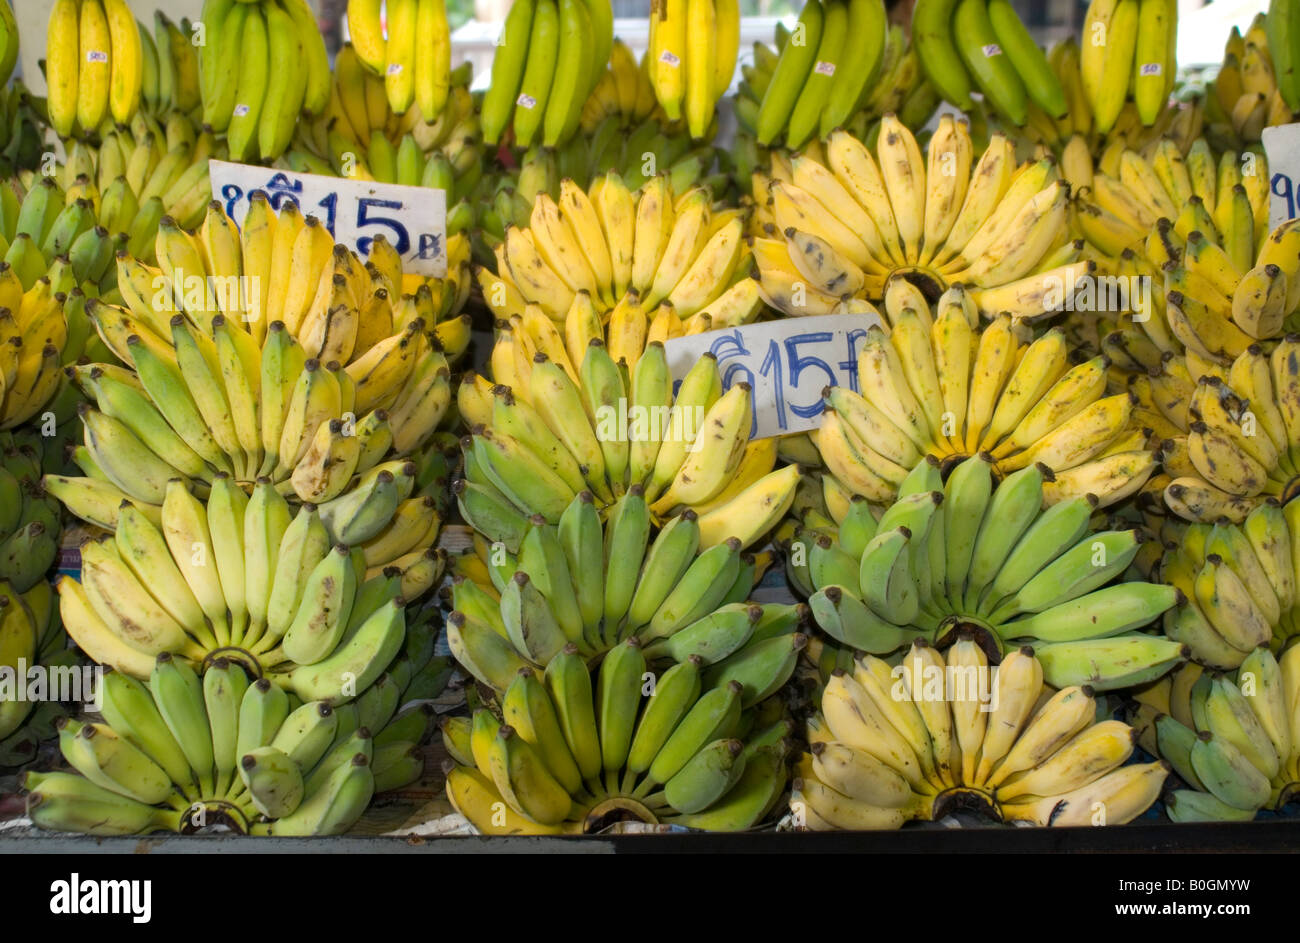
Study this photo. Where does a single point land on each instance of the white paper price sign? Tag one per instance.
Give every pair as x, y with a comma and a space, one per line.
412, 219
788, 363
1282, 148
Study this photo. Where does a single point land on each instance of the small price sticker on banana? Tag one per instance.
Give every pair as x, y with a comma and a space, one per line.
1282, 150
787, 364
412, 219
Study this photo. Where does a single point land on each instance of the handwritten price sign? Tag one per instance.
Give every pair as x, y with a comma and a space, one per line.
788, 363
412, 219
1282, 148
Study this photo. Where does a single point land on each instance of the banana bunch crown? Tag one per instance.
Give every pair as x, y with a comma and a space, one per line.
30, 635
616, 431
827, 231
968, 555
631, 255
593, 586
1238, 584
894, 744
184, 752
570, 753
1234, 444
1254, 88
29, 520
283, 593
1231, 738
938, 387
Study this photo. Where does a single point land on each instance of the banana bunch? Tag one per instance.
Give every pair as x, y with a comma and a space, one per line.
896, 744
969, 556
548, 435
629, 255
169, 65
829, 231
313, 599
1233, 739
22, 124
94, 65
1076, 132
1255, 86
260, 66
876, 72
691, 58
185, 752
1233, 442
622, 91
697, 746
1122, 200
285, 359
549, 58
414, 59
1128, 50
29, 519
580, 585
30, 635
941, 389
825, 75
48, 232
982, 45
1237, 583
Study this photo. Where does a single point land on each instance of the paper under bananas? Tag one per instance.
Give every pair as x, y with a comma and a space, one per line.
313, 599
1255, 85
826, 232
94, 66
941, 390
532, 452
590, 586
893, 744
969, 555
1231, 738
1237, 583
698, 746
31, 637
184, 752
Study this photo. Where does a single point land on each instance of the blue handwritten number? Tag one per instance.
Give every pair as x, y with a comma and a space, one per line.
364, 218
799, 364
850, 366
1287, 193
330, 205
232, 195
772, 365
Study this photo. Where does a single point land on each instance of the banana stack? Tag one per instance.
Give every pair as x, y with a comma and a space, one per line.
1233, 739
702, 747
187, 752
826, 232
284, 359
170, 81
30, 635
22, 128
1121, 201
141, 172
555, 588
896, 744
826, 73
1077, 133
1255, 86
1237, 583
971, 556
691, 58
312, 599
413, 56
261, 65
622, 91
94, 66
47, 231
876, 72
939, 388
548, 435
1233, 442
549, 58
29, 519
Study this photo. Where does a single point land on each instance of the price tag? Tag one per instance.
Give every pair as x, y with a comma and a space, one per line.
788, 363
1282, 148
991, 50
824, 68
1150, 68
94, 55
668, 58
412, 219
